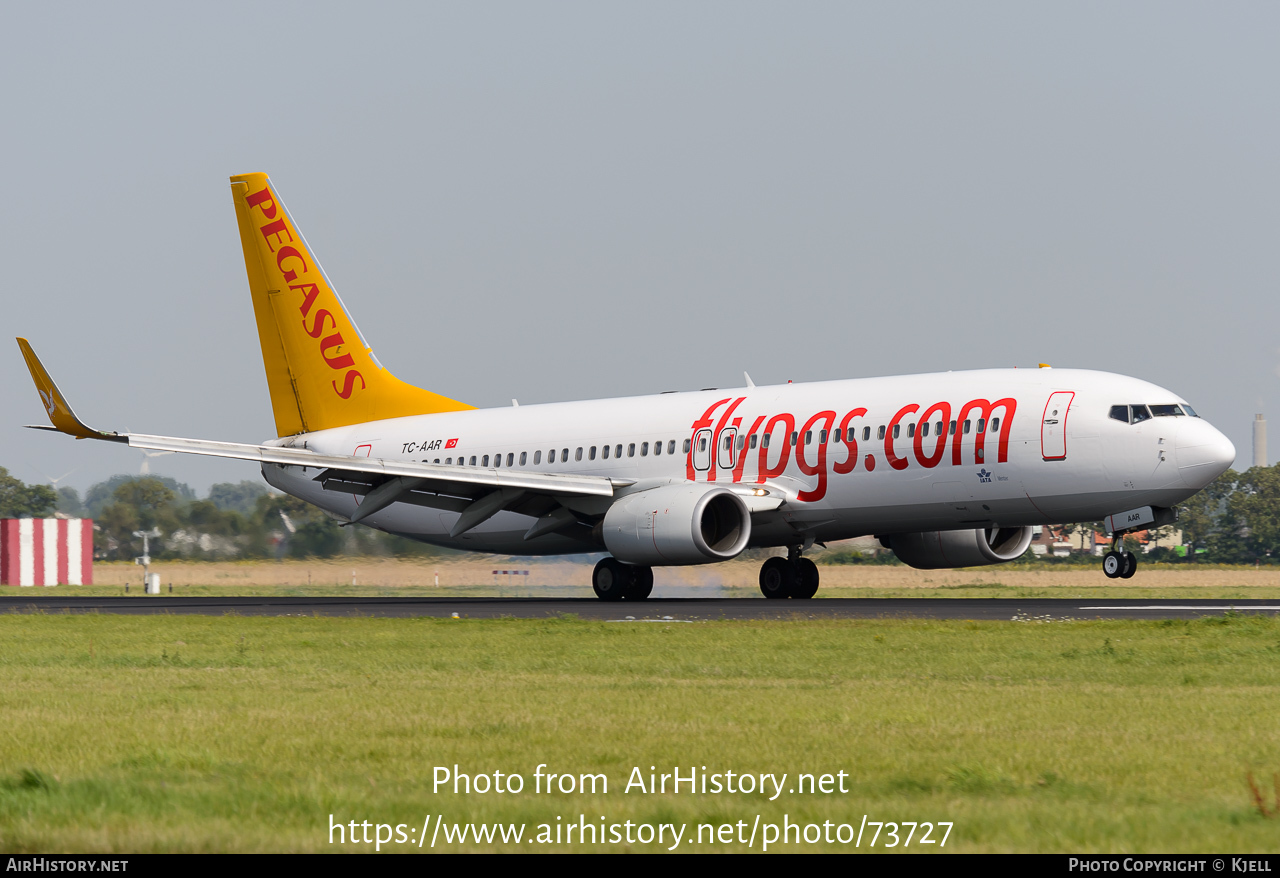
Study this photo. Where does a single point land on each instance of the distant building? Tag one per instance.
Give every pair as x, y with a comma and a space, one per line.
1259, 440
46, 551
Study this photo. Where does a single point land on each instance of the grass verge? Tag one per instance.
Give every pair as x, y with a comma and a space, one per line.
245, 734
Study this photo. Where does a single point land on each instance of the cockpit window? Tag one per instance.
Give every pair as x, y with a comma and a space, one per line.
1166, 411
1189, 410
1120, 413
1140, 414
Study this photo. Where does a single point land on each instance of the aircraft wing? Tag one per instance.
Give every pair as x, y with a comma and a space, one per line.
382, 482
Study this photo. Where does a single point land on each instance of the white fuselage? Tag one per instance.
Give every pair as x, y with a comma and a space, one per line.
1045, 451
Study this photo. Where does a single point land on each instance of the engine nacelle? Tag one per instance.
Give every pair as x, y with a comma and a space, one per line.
677, 524
959, 548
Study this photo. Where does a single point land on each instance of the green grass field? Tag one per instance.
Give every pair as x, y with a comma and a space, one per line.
245, 734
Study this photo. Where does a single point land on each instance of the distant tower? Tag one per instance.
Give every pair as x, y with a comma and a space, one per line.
1259, 440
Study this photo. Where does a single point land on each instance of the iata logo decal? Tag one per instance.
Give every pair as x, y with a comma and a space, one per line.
291, 263
983, 476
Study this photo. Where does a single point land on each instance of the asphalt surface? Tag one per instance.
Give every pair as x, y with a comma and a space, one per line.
654, 609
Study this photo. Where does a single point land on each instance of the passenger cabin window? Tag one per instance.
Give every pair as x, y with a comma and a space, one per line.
995, 425
604, 452
631, 450
524, 457
896, 429
753, 440
822, 437
742, 442
537, 458
592, 453
644, 449
671, 447
924, 429
473, 460
911, 431
808, 437
617, 450
967, 424
866, 434
764, 443
657, 448
448, 460
564, 455
795, 437
838, 435
686, 446
952, 428
577, 455
511, 459
982, 425
880, 432
728, 442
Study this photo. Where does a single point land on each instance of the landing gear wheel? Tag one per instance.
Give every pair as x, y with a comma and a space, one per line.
806, 581
1130, 565
641, 583
1113, 565
610, 579
776, 578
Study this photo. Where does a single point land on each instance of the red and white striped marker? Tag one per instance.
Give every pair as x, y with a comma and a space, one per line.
46, 551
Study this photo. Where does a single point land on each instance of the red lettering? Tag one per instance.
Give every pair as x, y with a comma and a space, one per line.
742, 457
940, 448
704, 421
317, 326
985, 410
348, 382
289, 274
275, 229
311, 291
827, 419
850, 442
263, 201
715, 438
895, 461
335, 341
767, 472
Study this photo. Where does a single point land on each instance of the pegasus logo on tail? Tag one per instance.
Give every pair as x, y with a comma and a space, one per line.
46, 396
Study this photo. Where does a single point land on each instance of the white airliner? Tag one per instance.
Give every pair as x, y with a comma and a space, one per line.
948, 470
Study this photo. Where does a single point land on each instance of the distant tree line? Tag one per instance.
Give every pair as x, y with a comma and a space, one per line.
236, 520
1235, 520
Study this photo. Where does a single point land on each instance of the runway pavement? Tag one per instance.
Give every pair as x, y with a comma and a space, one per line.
654, 609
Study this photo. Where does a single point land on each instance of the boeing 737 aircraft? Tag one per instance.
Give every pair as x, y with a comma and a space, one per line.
948, 470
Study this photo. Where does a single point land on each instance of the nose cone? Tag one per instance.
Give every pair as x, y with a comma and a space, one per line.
1203, 453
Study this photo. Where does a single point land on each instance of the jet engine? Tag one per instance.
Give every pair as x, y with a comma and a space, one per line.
959, 548
677, 524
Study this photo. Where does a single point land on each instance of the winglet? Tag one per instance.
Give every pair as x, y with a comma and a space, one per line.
60, 414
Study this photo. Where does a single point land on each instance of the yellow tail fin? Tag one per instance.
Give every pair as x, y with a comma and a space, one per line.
320, 372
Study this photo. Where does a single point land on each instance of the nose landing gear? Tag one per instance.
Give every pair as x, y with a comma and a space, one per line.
790, 577
1119, 564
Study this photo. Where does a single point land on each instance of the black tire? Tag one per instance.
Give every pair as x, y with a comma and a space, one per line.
776, 578
641, 583
1113, 565
806, 581
610, 579
1130, 565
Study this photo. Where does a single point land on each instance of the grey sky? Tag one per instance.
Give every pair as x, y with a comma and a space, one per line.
556, 201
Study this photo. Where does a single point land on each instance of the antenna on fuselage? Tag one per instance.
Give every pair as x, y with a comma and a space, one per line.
750, 384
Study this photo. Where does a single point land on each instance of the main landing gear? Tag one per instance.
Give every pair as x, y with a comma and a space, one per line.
1119, 564
789, 577
612, 581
